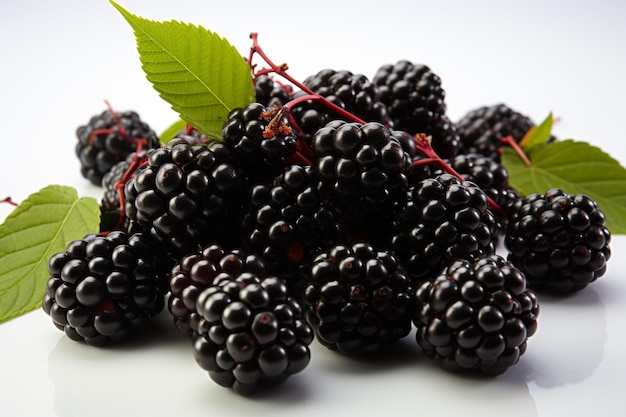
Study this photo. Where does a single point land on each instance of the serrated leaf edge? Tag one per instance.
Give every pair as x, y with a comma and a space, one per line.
31, 272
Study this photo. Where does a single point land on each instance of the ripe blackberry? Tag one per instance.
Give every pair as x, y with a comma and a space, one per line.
476, 316
261, 139
363, 169
482, 129
187, 196
493, 178
358, 299
441, 220
109, 138
105, 288
270, 93
560, 241
253, 333
288, 221
415, 101
197, 271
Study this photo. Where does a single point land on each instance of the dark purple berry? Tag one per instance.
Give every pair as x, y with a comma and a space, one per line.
107, 290
358, 299
559, 240
476, 315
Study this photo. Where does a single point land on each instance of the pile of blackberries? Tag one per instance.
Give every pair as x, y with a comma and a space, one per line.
349, 212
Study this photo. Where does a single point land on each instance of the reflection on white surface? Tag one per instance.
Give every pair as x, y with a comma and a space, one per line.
577, 339
157, 376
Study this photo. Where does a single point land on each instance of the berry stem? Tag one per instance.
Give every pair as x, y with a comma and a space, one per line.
423, 145
278, 69
8, 200
138, 161
138, 141
282, 71
510, 141
276, 126
316, 97
116, 117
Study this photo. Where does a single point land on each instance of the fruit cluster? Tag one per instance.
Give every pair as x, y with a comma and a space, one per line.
340, 209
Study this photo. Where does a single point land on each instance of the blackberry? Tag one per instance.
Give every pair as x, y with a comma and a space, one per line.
358, 299
442, 219
476, 316
271, 93
415, 101
560, 241
109, 138
261, 139
253, 334
288, 221
187, 196
105, 288
482, 129
197, 271
493, 178
363, 169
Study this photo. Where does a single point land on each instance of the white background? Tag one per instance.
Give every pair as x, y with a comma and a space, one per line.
61, 60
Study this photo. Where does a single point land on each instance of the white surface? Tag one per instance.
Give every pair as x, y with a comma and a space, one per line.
62, 59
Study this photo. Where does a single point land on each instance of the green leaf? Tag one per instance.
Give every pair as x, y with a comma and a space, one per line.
576, 167
199, 73
171, 132
39, 227
537, 135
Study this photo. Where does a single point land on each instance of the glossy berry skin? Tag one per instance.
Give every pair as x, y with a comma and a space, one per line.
363, 169
261, 139
105, 288
113, 184
110, 197
560, 241
352, 92
493, 178
476, 316
441, 220
358, 299
270, 93
288, 221
187, 196
416, 103
253, 334
109, 138
197, 271
482, 129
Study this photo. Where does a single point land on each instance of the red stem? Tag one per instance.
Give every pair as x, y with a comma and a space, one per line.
423, 145
316, 97
278, 69
136, 163
139, 142
282, 71
510, 140
8, 200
